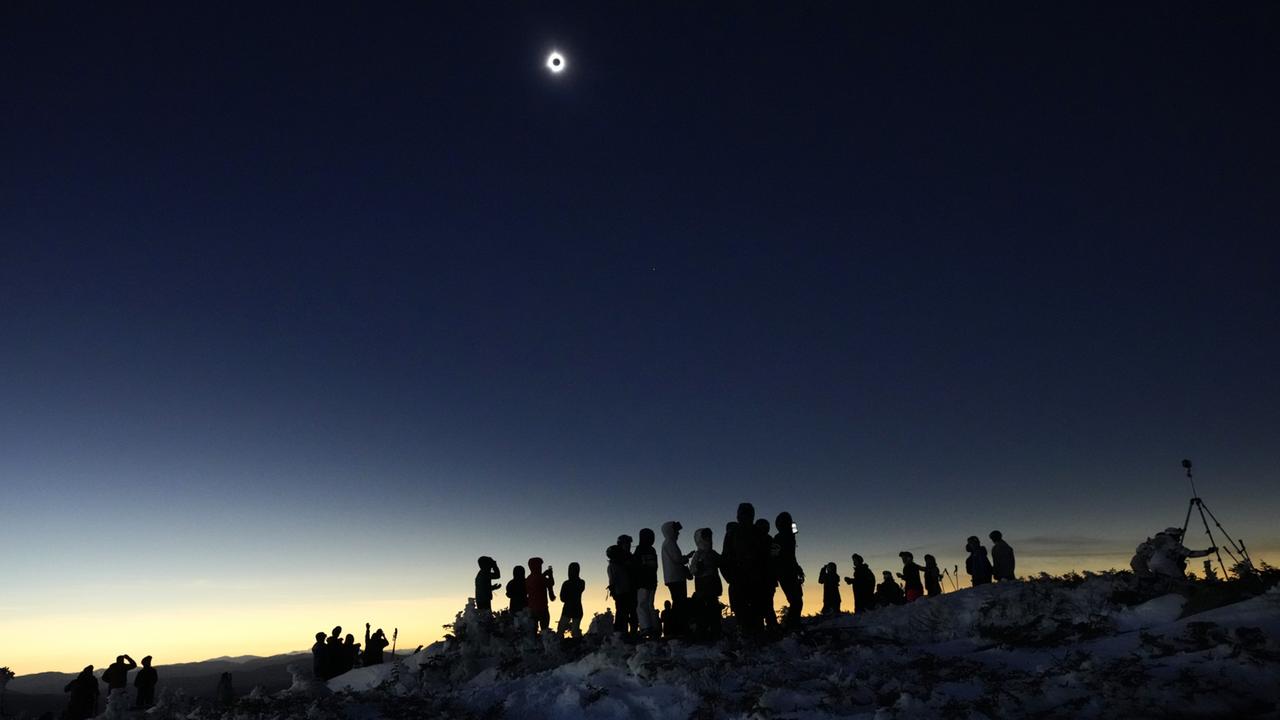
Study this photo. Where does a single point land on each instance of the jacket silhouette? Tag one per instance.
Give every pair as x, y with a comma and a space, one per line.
705, 565
787, 569
373, 646
675, 569
320, 657
621, 589
485, 584
888, 593
116, 676
83, 702
571, 603
829, 579
864, 585
913, 586
767, 585
932, 576
145, 683
517, 593
333, 654
646, 560
977, 564
539, 586
1001, 557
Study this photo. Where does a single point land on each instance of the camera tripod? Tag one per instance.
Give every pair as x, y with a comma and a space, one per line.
1235, 549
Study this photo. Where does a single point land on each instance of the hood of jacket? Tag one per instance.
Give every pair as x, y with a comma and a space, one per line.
746, 514
702, 538
670, 528
646, 537
535, 565
783, 523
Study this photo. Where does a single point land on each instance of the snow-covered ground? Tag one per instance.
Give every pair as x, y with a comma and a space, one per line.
1100, 648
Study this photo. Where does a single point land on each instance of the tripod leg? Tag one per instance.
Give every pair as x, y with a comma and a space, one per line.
1226, 574
1237, 546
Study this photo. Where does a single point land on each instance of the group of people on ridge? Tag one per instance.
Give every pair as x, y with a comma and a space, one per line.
83, 701
334, 655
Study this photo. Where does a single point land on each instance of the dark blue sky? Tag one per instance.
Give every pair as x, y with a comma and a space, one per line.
907, 272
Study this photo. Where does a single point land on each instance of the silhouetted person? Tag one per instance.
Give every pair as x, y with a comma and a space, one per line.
116, 676
977, 564
742, 568
145, 683
539, 587
333, 653
913, 586
225, 695
932, 576
485, 584
705, 564
1001, 557
646, 560
675, 564
320, 657
767, 583
571, 603
889, 593
621, 589
350, 652
1169, 556
829, 579
863, 583
83, 702
517, 594
633, 574
787, 569
373, 646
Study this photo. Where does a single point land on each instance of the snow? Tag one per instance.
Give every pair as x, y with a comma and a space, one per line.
1100, 647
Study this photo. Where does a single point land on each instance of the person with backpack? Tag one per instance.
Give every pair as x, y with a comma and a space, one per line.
829, 579
977, 564
571, 603
83, 702
863, 583
1002, 560
932, 576
889, 593
912, 585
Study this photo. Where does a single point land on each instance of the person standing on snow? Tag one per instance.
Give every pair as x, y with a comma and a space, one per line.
145, 683
767, 583
1001, 557
571, 603
675, 568
705, 564
516, 592
621, 589
83, 703
913, 587
932, 576
889, 593
320, 657
116, 676
646, 563
864, 585
539, 587
373, 646
977, 564
787, 569
829, 579
485, 584
744, 569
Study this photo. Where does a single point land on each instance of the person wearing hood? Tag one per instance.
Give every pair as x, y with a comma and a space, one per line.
145, 683
863, 583
83, 702
348, 657
646, 561
675, 564
767, 584
1169, 558
571, 603
621, 589
1001, 558
977, 564
829, 579
485, 584
373, 646
705, 565
517, 595
539, 587
912, 584
932, 576
889, 593
787, 569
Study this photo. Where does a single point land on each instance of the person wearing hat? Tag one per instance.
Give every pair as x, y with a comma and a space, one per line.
977, 564
1169, 556
913, 586
1001, 557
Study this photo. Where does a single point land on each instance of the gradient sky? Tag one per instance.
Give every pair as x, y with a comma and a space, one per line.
302, 309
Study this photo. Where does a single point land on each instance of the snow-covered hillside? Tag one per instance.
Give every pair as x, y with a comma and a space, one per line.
1097, 648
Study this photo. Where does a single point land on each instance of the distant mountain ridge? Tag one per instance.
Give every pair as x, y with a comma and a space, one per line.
246, 670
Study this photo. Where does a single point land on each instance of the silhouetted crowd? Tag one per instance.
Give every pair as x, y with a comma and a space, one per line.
755, 561
84, 690
333, 655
